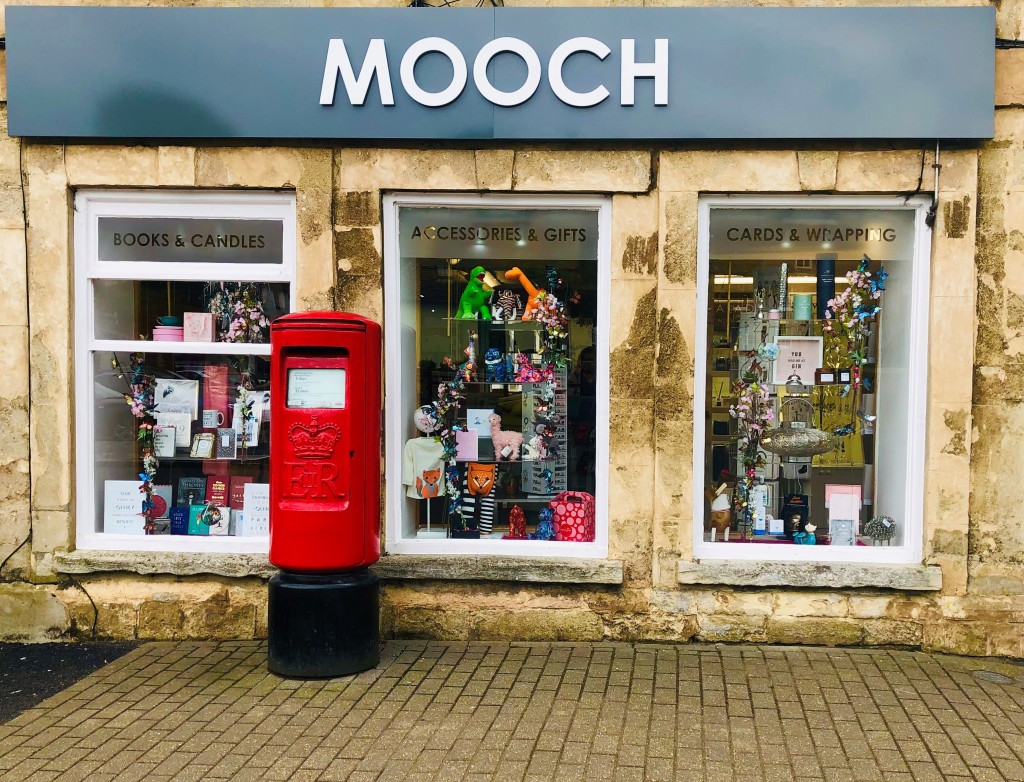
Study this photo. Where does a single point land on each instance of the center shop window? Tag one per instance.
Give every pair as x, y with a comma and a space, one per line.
812, 441
496, 429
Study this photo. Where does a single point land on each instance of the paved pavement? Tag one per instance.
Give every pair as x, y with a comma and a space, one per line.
509, 712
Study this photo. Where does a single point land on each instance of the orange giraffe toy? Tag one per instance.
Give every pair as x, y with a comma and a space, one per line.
532, 294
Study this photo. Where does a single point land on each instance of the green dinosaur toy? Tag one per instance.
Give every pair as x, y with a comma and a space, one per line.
473, 303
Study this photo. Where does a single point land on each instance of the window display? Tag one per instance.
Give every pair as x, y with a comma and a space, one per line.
175, 362
808, 432
497, 431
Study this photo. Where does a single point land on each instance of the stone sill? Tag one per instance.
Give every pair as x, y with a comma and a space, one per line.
829, 575
469, 567
395, 567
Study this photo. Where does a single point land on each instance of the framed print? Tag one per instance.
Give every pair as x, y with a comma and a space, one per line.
798, 356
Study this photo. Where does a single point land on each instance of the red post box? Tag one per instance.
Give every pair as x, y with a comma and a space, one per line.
325, 442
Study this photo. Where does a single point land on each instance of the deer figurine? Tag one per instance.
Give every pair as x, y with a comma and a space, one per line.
532, 293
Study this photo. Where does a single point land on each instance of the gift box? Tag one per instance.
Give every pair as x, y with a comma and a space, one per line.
198, 327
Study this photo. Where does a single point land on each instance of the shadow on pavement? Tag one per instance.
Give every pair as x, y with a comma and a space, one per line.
30, 673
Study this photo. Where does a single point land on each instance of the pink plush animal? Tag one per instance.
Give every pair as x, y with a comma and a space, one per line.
511, 441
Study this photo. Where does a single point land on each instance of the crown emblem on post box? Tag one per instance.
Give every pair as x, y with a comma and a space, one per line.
314, 441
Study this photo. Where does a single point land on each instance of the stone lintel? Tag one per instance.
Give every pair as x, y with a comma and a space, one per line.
390, 568
469, 567
833, 575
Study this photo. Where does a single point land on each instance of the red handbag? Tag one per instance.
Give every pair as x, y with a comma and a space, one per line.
574, 516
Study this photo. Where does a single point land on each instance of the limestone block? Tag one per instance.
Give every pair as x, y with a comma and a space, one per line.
959, 170
161, 621
634, 237
51, 531
358, 250
1000, 575
954, 572
436, 623
496, 568
3, 76
116, 621
729, 171
811, 630
13, 309
405, 169
868, 606
630, 498
890, 632
679, 229
731, 602
631, 433
804, 575
882, 172
995, 465
952, 272
633, 338
494, 169
14, 383
817, 170
15, 545
253, 166
357, 207
730, 628
176, 166
673, 476
950, 350
947, 469
810, 604
609, 171
967, 638
10, 148
31, 613
673, 370
569, 625
1009, 125
226, 614
360, 294
89, 165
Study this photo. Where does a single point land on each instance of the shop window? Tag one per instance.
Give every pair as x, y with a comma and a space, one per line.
175, 293
496, 365
812, 381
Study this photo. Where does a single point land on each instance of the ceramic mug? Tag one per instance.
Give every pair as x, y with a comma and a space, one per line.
212, 419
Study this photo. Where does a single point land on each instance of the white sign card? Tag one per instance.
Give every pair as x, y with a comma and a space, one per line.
798, 356
173, 395
163, 440
122, 506
477, 421
255, 519
318, 388
250, 437
181, 425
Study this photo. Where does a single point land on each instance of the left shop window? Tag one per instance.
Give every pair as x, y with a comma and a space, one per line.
175, 294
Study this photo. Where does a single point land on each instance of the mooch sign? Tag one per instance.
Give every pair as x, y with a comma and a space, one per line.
501, 73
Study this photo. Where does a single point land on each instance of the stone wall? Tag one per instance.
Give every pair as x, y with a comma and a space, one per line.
975, 409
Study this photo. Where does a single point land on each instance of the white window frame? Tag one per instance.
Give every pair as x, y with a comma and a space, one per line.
396, 418
90, 205
913, 510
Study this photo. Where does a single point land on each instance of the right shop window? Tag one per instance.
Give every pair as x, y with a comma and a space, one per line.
813, 379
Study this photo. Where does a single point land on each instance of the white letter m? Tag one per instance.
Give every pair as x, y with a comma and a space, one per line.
376, 61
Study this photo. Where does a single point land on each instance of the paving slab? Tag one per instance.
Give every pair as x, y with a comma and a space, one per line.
528, 712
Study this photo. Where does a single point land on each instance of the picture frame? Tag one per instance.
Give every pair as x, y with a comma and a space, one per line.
202, 446
801, 357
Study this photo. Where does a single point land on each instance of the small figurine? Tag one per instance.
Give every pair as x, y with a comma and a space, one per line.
516, 524
532, 293
545, 527
506, 444
505, 306
806, 538
495, 366
473, 303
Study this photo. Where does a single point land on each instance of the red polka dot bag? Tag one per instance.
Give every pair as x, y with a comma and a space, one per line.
574, 516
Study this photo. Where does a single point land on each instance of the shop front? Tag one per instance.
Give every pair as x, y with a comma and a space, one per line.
676, 345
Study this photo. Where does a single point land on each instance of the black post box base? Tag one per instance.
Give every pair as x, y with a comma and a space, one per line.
323, 625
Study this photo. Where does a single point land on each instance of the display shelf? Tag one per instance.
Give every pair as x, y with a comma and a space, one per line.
207, 348
514, 325
183, 458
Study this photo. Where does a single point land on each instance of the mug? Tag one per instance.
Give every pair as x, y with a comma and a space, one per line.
212, 419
